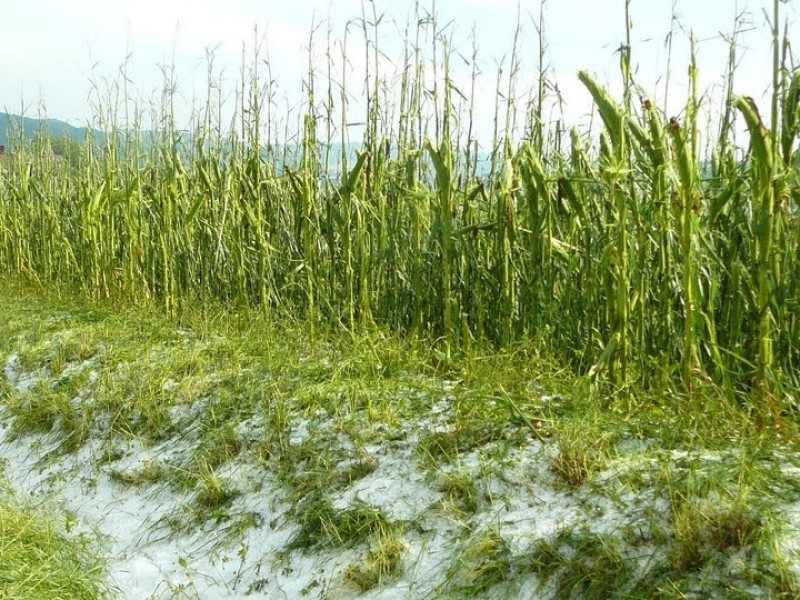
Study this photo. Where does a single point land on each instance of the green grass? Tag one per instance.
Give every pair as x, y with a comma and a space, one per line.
585, 564
382, 562
483, 563
705, 522
326, 526
40, 561
308, 404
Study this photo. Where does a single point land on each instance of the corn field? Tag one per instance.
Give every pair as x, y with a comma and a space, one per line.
628, 253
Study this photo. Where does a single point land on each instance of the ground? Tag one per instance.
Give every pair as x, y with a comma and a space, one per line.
218, 455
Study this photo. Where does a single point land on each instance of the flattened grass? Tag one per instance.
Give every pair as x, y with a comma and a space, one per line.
39, 561
310, 405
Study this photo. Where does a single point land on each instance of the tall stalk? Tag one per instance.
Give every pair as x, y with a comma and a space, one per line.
685, 143
619, 256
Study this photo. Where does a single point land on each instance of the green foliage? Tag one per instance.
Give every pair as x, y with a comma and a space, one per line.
692, 276
41, 562
323, 525
483, 562
316, 411
68, 149
383, 560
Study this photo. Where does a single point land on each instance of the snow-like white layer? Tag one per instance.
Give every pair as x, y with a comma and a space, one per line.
153, 553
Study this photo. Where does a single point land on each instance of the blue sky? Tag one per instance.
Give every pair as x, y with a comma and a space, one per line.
51, 51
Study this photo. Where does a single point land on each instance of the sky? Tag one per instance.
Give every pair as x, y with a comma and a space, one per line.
63, 59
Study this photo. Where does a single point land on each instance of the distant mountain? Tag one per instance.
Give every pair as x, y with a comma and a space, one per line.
12, 126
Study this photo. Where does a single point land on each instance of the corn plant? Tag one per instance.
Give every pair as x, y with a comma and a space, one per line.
627, 253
